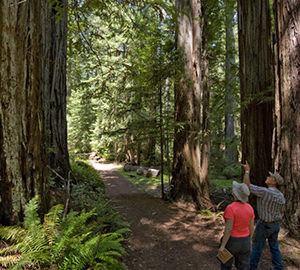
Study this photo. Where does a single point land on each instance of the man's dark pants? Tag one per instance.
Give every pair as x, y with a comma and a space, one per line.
262, 232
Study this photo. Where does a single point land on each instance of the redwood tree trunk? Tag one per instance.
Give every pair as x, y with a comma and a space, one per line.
205, 97
187, 183
287, 143
256, 83
32, 118
23, 146
231, 153
55, 49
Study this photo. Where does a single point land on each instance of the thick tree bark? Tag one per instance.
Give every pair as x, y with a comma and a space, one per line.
256, 82
187, 183
231, 153
55, 49
23, 154
32, 117
287, 110
205, 98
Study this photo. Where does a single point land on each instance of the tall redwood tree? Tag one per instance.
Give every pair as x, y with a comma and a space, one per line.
231, 152
257, 88
55, 89
287, 139
32, 57
189, 182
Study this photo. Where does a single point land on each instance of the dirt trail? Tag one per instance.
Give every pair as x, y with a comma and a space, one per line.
164, 236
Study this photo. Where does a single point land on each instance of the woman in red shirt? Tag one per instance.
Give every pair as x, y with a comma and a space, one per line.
239, 228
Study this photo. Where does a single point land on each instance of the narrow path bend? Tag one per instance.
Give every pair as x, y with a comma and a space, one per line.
163, 237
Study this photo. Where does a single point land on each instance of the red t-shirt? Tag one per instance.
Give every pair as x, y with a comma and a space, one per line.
241, 214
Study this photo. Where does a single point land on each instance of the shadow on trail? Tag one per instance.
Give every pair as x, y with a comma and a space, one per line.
162, 236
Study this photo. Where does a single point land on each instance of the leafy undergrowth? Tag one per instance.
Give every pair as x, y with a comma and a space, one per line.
151, 185
90, 236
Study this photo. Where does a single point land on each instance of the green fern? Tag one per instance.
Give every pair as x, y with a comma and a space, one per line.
8, 260
83, 245
100, 252
30, 241
13, 234
72, 243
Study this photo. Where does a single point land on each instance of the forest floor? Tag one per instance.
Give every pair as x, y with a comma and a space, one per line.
167, 236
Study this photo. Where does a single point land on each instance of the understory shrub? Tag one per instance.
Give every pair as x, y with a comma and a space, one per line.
75, 242
87, 192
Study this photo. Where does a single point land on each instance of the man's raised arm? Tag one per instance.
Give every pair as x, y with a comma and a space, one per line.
246, 177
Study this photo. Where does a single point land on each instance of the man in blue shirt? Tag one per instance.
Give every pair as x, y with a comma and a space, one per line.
270, 203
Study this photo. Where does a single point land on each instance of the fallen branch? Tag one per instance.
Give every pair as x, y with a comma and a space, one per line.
69, 195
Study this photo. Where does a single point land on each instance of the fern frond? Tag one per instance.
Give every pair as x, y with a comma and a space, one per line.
102, 250
52, 222
73, 232
73, 243
32, 220
9, 260
12, 233
22, 262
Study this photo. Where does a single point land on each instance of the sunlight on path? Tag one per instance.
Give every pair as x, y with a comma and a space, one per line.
105, 167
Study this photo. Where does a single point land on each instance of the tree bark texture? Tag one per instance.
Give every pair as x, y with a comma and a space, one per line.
256, 83
231, 153
287, 110
27, 77
22, 124
187, 183
55, 105
205, 98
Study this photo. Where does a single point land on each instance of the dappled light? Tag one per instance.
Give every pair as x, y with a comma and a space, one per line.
106, 166
125, 127
163, 236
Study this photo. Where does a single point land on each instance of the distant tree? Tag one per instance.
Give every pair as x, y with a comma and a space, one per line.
205, 141
216, 51
127, 51
256, 84
287, 109
231, 152
187, 183
32, 108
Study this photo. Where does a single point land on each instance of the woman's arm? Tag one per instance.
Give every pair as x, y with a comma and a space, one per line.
227, 232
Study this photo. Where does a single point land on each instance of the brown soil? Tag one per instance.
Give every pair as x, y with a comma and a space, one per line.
172, 236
